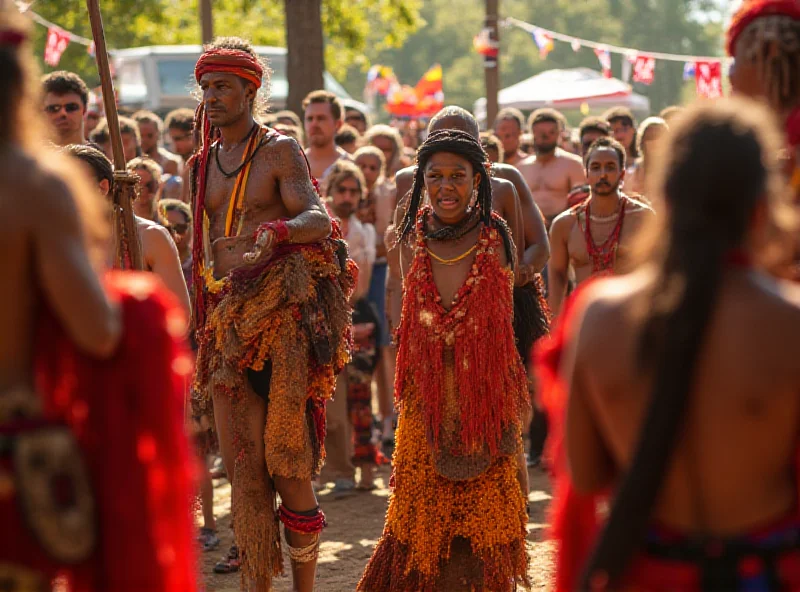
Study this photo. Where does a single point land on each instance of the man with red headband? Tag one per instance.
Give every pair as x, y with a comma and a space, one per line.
271, 314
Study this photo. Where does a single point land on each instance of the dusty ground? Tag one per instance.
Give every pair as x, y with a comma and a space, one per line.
356, 523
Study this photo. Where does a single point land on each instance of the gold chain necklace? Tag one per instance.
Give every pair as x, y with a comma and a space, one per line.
455, 259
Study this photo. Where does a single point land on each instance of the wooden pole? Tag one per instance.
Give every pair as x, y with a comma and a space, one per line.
492, 66
129, 252
207, 21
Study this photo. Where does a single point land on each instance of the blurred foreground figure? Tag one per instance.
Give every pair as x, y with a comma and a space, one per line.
94, 478
692, 413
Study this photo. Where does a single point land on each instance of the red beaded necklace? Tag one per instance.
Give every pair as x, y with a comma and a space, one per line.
603, 256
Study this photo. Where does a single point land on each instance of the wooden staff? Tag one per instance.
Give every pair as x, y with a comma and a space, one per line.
126, 185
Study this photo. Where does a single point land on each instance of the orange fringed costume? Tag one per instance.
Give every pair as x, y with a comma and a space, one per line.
126, 416
457, 512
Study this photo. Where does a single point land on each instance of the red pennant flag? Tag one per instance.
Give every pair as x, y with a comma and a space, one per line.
57, 41
708, 76
644, 69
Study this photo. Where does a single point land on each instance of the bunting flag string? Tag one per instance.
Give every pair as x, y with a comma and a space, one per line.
57, 39
707, 71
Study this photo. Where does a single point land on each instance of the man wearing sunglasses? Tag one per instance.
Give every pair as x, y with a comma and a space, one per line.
65, 99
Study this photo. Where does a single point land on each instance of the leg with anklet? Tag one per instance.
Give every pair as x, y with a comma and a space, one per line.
301, 529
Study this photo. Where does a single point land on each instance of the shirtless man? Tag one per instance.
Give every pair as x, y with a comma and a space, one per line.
280, 285
590, 130
322, 117
551, 173
151, 131
508, 127
691, 412
594, 236
159, 251
623, 128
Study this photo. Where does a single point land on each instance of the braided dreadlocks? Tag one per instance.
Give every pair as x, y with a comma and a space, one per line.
773, 44
462, 144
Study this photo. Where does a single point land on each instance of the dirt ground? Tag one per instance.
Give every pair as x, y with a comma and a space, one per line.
355, 524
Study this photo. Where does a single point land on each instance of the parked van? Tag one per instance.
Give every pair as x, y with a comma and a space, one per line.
161, 77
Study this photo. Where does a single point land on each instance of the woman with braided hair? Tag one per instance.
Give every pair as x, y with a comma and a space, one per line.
457, 516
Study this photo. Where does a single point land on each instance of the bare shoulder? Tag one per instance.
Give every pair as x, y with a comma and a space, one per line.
564, 222
503, 187
404, 181
609, 305
46, 187
569, 157
280, 151
507, 172
526, 162
638, 208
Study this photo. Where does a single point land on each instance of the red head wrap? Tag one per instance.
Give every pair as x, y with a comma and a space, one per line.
754, 9
230, 61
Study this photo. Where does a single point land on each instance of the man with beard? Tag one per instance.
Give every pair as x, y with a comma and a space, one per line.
322, 116
551, 173
593, 236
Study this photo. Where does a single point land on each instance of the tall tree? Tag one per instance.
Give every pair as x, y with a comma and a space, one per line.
305, 64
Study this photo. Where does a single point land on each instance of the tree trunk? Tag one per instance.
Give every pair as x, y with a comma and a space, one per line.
305, 62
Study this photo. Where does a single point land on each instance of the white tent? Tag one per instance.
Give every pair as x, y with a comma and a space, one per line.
566, 90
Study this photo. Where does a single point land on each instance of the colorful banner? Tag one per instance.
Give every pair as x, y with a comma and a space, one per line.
424, 100
644, 69
57, 42
708, 79
544, 42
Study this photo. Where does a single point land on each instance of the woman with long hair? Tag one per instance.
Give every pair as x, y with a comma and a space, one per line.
691, 413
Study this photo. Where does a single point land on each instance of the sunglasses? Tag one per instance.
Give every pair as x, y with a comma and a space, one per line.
180, 228
69, 108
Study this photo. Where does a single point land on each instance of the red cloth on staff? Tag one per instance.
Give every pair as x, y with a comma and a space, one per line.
127, 414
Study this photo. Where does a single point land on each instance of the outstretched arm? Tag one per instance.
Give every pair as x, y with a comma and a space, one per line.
71, 286
309, 221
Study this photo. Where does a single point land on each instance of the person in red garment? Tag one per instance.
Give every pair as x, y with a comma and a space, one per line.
95, 483
691, 415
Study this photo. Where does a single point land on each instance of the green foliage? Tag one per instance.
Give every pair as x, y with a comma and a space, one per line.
648, 25
350, 26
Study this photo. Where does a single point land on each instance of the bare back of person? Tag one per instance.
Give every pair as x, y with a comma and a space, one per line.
551, 179
43, 255
734, 467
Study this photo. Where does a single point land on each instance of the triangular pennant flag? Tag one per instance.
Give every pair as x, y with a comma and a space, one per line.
576, 45
627, 67
708, 77
484, 44
688, 71
92, 50
644, 70
604, 57
544, 41
57, 41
